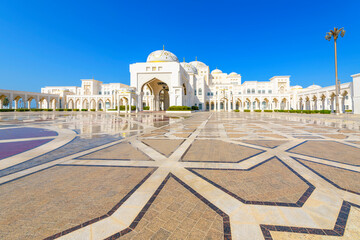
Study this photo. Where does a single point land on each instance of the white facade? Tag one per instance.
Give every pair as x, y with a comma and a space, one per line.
93, 94
163, 81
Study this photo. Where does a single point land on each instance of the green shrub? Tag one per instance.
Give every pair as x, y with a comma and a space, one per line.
349, 111
36, 109
93, 110
194, 108
276, 110
100, 110
7, 110
59, 110
236, 110
268, 110
146, 108
133, 108
48, 110
179, 108
246, 110
112, 109
257, 110
325, 111
83, 109
22, 110
76, 110
68, 110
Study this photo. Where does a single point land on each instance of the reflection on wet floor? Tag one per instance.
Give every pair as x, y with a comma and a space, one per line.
89, 124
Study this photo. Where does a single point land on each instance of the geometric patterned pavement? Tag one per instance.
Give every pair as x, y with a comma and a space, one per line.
208, 176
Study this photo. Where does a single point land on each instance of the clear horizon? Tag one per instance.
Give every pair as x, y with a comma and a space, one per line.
57, 43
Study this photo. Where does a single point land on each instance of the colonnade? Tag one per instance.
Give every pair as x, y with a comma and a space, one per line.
248, 104
14, 98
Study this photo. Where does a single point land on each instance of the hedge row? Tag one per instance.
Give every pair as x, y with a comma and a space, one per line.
179, 108
7, 110
122, 108
305, 111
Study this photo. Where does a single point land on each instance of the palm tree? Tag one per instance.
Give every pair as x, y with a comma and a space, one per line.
335, 34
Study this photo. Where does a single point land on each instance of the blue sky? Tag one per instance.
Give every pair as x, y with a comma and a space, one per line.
49, 43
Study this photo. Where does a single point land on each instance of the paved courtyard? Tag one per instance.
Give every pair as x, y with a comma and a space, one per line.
203, 176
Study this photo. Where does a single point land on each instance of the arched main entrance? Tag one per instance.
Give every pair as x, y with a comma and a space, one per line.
159, 95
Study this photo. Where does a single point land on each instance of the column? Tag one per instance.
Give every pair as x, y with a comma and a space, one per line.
140, 101
341, 104
356, 93
11, 99
229, 106
129, 104
16, 103
118, 105
26, 102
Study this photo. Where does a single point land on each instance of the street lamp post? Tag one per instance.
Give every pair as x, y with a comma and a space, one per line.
335, 34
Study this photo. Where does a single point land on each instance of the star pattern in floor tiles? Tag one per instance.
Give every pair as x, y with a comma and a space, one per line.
199, 176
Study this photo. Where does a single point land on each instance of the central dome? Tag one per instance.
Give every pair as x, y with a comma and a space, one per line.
162, 56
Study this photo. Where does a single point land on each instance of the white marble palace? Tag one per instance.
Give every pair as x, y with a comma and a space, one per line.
163, 81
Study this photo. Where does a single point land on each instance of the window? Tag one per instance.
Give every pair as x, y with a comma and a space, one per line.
195, 92
346, 97
147, 69
252, 90
200, 91
239, 93
259, 91
154, 68
208, 94
159, 68
263, 91
100, 93
200, 106
270, 91
248, 91
212, 94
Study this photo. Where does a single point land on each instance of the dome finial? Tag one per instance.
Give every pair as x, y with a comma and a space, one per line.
163, 47
196, 58
184, 59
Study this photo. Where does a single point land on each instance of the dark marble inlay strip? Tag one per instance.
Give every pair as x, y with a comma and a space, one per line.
338, 230
109, 213
226, 219
299, 203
